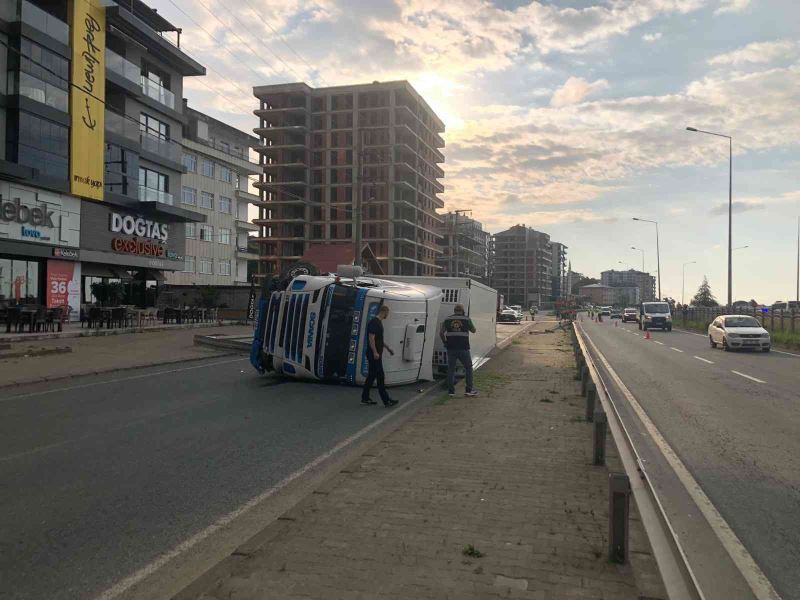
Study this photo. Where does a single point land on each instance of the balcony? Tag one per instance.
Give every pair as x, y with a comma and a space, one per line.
289, 127
35, 17
31, 87
147, 194
244, 252
165, 148
123, 67
157, 92
122, 126
245, 225
270, 185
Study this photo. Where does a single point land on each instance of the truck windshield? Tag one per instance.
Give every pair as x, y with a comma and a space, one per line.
656, 307
339, 316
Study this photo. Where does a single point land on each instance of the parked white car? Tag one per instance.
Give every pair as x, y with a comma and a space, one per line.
734, 332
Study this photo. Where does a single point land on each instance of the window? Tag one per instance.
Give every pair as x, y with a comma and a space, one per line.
206, 200
153, 179
43, 76
190, 162
188, 266
191, 231
225, 174
208, 168
224, 205
223, 267
189, 196
207, 233
224, 236
205, 265
225, 147
152, 126
43, 145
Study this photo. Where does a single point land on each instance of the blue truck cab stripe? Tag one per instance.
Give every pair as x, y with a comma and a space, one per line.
355, 334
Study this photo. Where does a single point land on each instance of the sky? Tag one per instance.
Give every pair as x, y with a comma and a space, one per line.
568, 116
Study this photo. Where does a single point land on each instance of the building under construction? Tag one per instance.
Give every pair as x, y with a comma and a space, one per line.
325, 151
522, 266
465, 247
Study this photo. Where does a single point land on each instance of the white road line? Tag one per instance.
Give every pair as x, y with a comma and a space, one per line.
659, 343
748, 377
125, 584
705, 360
636, 334
758, 582
787, 353
676, 349
85, 385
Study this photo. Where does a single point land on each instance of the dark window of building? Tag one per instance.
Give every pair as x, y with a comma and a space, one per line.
318, 104
152, 126
121, 170
317, 195
317, 159
153, 180
40, 144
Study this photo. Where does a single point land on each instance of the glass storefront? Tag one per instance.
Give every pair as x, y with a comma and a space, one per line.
21, 281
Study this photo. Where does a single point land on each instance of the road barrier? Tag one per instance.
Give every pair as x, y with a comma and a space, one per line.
679, 581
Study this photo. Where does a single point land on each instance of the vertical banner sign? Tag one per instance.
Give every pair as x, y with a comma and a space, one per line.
60, 274
251, 301
87, 98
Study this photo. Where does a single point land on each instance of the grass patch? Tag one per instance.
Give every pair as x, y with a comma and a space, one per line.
442, 399
472, 551
488, 382
516, 341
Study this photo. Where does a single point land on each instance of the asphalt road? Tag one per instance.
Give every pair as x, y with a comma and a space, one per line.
733, 418
100, 475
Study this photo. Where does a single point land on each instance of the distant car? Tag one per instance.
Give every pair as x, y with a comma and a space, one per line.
605, 311
629, 314
616, 313
736, 332
655, 315
508, 315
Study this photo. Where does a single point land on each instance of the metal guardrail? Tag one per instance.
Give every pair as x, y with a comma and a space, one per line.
676, 573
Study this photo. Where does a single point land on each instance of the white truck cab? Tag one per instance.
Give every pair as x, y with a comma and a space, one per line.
655, 315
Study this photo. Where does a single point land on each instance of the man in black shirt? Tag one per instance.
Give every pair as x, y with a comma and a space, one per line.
455, 335
375, 359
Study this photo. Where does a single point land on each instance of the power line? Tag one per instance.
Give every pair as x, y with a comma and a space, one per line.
255, 11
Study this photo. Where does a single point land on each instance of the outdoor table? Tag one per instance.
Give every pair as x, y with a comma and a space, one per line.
28, 313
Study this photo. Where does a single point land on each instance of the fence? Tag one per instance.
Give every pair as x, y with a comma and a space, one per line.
775, 320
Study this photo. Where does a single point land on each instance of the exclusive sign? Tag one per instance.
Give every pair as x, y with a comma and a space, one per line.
87, 98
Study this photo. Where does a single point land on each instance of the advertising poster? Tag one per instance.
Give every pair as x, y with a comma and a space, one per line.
64, 285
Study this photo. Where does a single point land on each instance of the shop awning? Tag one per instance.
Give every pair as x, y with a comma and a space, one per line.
150, 274
97, 270
121, 274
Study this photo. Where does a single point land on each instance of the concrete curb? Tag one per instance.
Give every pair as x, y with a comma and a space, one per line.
114, 370
210, 341
524, 326
106, 332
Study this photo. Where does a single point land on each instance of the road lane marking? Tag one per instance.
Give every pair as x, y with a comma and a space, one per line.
676, 349
636, 334
705, 360
758, 582
748, 377
132, 377
125, 584
659, 343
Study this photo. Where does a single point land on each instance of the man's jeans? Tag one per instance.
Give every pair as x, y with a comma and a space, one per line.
466, 360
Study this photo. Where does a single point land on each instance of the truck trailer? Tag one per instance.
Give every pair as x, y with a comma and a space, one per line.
315, 328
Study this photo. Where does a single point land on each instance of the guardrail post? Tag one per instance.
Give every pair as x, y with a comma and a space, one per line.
580, 365
600, 420
619, 494
591, 397
584, 379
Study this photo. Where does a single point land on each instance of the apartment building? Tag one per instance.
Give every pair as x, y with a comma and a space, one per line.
464, 246
631, 278
216, 157
607, 295
522, 269
324, 151
560, 286
92, 189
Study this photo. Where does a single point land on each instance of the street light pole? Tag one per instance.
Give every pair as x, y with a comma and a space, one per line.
730, 207
642, 251
797, 291
658, 253
683, 281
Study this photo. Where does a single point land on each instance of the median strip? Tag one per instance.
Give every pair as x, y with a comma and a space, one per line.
751, 378
705, 360
659, 343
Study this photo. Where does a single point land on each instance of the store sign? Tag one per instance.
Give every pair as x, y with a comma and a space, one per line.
65, 253
87, 97
15, 211
138, 226
138, 247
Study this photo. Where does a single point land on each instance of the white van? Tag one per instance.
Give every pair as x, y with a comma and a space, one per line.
655, 315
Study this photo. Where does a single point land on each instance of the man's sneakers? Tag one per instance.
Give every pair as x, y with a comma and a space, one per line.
390, 403
451, 394
471, 394
367, 401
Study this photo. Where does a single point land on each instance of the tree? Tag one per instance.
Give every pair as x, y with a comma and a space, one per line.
704, 297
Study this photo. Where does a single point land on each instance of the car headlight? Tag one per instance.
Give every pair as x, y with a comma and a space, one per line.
765, 335
733, 335
648, 318
669, 317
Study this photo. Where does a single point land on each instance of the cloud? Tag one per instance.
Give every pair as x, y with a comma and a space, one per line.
738, 207
757, 52
652, 37
732, 6
575, 89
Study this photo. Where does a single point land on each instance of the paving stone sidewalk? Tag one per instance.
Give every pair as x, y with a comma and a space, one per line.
107, 353
488, 497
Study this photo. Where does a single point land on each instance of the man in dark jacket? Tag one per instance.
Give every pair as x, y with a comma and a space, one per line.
455, 335
375, 359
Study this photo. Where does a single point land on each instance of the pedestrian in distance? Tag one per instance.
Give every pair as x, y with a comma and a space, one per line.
455, 335
375, 359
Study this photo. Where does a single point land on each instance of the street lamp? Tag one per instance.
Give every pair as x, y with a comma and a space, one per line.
730, 206
740, 248
683, 280
642, 251
658, 253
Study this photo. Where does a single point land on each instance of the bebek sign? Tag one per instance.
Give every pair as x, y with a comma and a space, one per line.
138, 226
